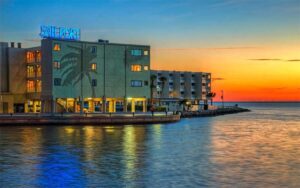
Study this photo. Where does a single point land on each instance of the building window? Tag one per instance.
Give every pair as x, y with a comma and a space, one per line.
181, 75
93, 49
136, 68
94, 66
136, 83
146, 52
56, 64
181, 84
193, 84
136, 52
203, 84
38, 85
30, 71
38, 71
203, 93
30, 86
146, 67
38, 56
94, 82
171, 74
56, 47
193, 92
193, 75
30, 57
181, 92
170, 83
145, 82
57, 81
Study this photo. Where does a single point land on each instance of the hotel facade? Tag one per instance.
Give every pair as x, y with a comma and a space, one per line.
74, 76
65, 74
174, 86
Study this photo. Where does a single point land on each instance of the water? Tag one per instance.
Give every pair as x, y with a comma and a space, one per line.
260, 148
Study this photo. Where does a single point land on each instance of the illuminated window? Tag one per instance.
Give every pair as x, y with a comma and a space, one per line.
38, 71
94, 82
30, 86
136, 52
30, 71
94, 66
56, 64
146, 68
136, 68
136, 83
57, 81
38, 56
56, 47
30, 57
146, 52
38, 85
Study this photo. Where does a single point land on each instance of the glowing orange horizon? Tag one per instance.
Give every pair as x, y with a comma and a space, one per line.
243, 73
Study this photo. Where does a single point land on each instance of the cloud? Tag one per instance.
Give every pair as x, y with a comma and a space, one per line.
33, 40
275, 59
212, 48
293, 60
265, 59
228, 3
272, 88
217, 79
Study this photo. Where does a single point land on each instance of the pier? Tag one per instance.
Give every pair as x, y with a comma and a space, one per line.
219, 111
87, 119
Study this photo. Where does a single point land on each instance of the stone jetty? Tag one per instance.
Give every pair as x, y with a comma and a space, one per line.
219, 111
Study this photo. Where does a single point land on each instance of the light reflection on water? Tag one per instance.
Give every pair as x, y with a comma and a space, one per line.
256, 149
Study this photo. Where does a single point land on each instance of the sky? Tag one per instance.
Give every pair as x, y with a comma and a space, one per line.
251, 47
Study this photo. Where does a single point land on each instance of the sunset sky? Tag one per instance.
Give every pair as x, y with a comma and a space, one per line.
251, 47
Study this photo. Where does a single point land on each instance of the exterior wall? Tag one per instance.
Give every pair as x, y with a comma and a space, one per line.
13, 78
113, 74
144, 75
17, 70
3, 67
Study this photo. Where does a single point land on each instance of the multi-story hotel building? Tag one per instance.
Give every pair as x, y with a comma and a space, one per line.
172, 86
65, 74
72, 76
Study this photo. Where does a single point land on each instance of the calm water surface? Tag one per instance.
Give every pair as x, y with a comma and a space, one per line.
256, 149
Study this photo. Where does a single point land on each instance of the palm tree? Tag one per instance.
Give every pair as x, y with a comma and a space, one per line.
163, 81
76, 65
153, 77
211, 95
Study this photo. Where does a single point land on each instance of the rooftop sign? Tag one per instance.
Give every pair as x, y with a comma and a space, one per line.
60, 32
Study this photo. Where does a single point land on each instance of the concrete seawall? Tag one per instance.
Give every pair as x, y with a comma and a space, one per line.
220, 111
81, 120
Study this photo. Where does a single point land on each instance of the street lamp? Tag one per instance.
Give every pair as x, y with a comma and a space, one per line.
222, 97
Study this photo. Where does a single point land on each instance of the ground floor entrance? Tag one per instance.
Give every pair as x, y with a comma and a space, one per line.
101, 105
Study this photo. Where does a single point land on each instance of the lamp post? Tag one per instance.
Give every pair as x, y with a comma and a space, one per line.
222, 97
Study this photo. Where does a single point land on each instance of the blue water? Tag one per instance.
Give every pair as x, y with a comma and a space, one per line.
260, 148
